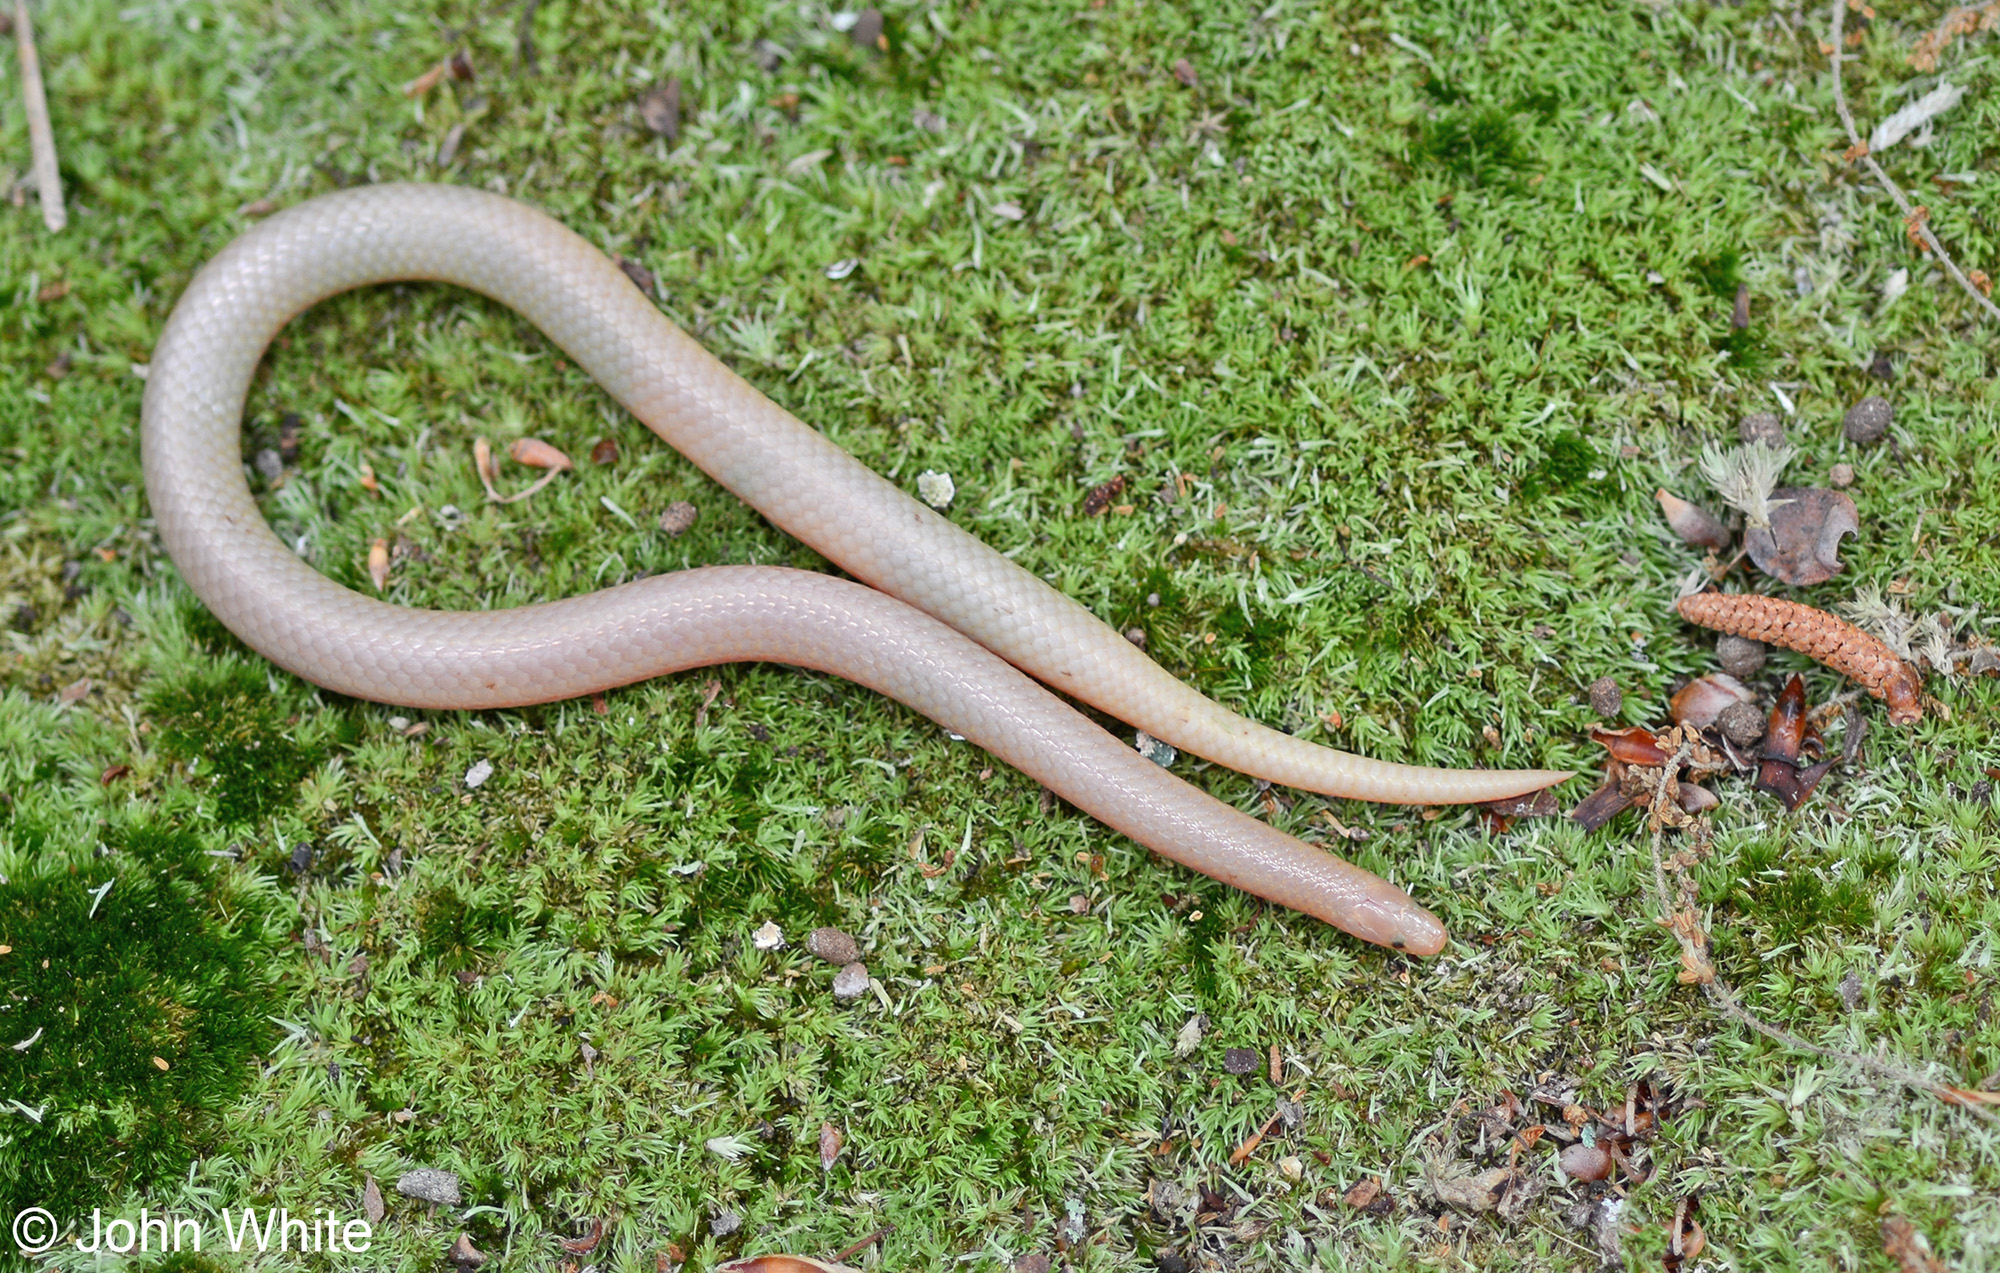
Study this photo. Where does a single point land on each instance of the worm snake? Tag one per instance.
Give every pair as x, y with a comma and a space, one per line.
939, 621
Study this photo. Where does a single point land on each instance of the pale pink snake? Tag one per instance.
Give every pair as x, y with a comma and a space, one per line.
958, 667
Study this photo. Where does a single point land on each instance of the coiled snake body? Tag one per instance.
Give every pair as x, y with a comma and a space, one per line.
941, 623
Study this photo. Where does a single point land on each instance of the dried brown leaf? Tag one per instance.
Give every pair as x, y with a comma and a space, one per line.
1802, 547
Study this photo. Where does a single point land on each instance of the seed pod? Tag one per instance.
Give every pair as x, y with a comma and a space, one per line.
1693, 523
1817, 635
537, 454
1701, 700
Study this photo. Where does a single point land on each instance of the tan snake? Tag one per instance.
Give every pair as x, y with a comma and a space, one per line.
943, 628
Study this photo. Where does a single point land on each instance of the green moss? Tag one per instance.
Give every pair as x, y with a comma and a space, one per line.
1477, 145
1792, 898
1565, 465
239, 737
164, 965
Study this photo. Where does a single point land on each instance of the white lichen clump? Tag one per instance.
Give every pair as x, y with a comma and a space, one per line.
1745, 476
936, 489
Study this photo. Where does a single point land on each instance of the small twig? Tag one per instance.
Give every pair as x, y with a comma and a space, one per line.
524, 39
864, 1243
41, 136
1695, 959
1911, 217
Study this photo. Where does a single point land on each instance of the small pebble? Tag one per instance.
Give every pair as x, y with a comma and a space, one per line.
1867, 420
1586, 1162
724, 1222
1137, 636
679, 516
1762, 426
476, 776
1842, 476
1241, 1060
1292, 1168
768, 936
851, 982
1851, 990
429, 1184
833, 946
1606, 699
1741, 723
270, 464
1739, 656
1169, 1262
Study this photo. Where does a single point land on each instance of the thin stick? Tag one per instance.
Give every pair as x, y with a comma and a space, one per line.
864, 1243
1859, 148
41, 137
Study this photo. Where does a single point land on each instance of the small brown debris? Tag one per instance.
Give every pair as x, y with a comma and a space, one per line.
1842, 476
1685, 1240
1910, 1249
1277, 1065
832, 945
660, 109
1586, 1162
74, 692
1696, 798
459, 65
1363, 1193
113, 774
1867, 420
537, 454
869, 31
464, 1254
1239, 1060
1702, 701
1762, 426
1817, 635
642, 278
160, 1064
1184, 72
1100, 498
1482, 1192
604, 451
851, 982
1739, 313
426, 82
1739, 656
371, 1201
378, 563
1741, 723
1606, 699
1802, 547
1693, 523
589, 1241
830, 1141
1635, 745
678, 517
1035, 1262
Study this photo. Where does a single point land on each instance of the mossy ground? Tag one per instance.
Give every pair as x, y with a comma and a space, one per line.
1393, 322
